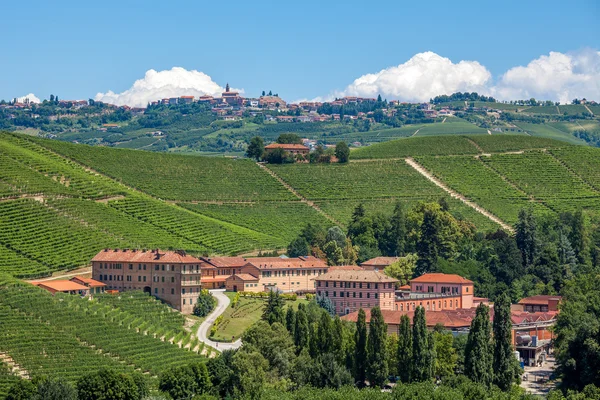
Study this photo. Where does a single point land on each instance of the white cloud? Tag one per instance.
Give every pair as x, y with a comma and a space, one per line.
157, 85
31, 97
557, 76
424, 76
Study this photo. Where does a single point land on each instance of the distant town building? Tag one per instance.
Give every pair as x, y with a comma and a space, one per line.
290, 148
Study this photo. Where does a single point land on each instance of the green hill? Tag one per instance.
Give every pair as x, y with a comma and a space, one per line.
60, 203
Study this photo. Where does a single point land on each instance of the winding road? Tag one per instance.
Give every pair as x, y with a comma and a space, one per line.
204, 328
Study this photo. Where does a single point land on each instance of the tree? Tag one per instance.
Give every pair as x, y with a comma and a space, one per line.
107, 384
278, 156
526, 236
250, 374
504, 360
298, 247
289, 138
342, 152
422, 361
290, 321
428, 246
360, 350
397, 231
445, 354
273, 311
220, 371
256, 148
263, 93
377, 371
178, 382
336, 234
405, 345
301, 331
579, 237
478, 352
204, 304
22, 389
403, 269
325, 333
334, 254
326, 303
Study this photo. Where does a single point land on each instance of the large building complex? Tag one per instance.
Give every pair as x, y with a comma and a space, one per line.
172, 276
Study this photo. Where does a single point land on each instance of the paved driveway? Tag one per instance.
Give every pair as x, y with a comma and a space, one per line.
204, 329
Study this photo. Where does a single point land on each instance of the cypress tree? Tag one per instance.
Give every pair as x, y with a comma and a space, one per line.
428, 246
478, 352
301, 331
290, 321
404, 349
338, 339
504, 360
421, 352
360, 350
377, 371
526, 236
313, 343
325, 333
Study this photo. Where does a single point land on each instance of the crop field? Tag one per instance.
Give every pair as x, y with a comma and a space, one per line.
584, 161
48, 165
470, 176
380, 135
503, 143
7, 379
138, 143
570, 127
67, 336
452, 126
122, 226
573, 109
178, 177
356, 180
595, 109
36, 232
283, 220
542, 110
20, 266
215, 236
412, 147
540, 175
548, 131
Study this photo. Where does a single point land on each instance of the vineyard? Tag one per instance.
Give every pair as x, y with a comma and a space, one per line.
178, 177
452, 126
548, 131
417, 146
503, 143
67, 336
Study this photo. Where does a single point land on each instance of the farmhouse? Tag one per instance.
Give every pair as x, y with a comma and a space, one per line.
290, 148
172, 276
542, 303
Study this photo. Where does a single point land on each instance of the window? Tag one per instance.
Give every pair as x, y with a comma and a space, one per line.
429, 289
327, 293
353, 294
163, 279
360, 295
182, 291
184, 302
467, 289
172, 279
376, 286
360, 285
341, 294
334, 293
172, 291
326, 284
163, 267
334, 284
155, 290
368, 295
353, 285
184, 268
376, 295
130, 266
139, 267
144, 267
144, 279
319, 284
139, 278
368, 286
156, 267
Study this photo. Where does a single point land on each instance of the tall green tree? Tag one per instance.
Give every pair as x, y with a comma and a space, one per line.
290, 321
273, 311
298, 247
289, 138
526, 235
107, 384
301, 332
405, 344
397, 231
377, 371
325, 333
428, 245
256, 148
579, 237
504, 360
342, 152
422, 360
445, 354
360, 350
478, 351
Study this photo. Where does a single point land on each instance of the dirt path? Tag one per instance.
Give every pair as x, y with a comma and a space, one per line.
420, 169
444, 120
15, 368
587, 108
107, 199
489, 132
298, 195
78, 272
478, 147
415, 134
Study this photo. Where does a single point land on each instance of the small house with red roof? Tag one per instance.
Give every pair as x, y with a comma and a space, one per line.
290, 148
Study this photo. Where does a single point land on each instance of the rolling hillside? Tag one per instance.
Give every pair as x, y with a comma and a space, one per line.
60, 203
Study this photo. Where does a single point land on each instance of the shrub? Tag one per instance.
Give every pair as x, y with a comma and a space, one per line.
205, 304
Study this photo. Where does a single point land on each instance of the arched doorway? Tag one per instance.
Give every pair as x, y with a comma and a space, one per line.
147, 289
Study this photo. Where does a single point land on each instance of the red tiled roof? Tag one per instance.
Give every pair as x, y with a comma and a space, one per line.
282, 263
224, 262
141, 256
88, 281
437, 277
380, 261
355, 276
345, 268
539, 300
216, 279
286, 146
243, 277
405, 287
61, 285
450, 319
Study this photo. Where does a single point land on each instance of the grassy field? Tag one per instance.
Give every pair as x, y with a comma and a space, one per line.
548, 131
503, 143
416, 146
452, 126
584, 161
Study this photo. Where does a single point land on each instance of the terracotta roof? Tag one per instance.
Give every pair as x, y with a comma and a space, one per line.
450, 319
216, 279
88, 281
539, 300
187, 97
141, 256
345, 268
243, 277
355, 276
223, 262
283, 263
286, 146
438, 277
61, 285
405, 287
380, 261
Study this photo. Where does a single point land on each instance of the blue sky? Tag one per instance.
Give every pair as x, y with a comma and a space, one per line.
300, 49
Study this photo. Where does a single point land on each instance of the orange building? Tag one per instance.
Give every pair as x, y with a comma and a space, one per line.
63, 286
95, 286
172, 276
290, 148
215, 270
351, 290
436, 292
